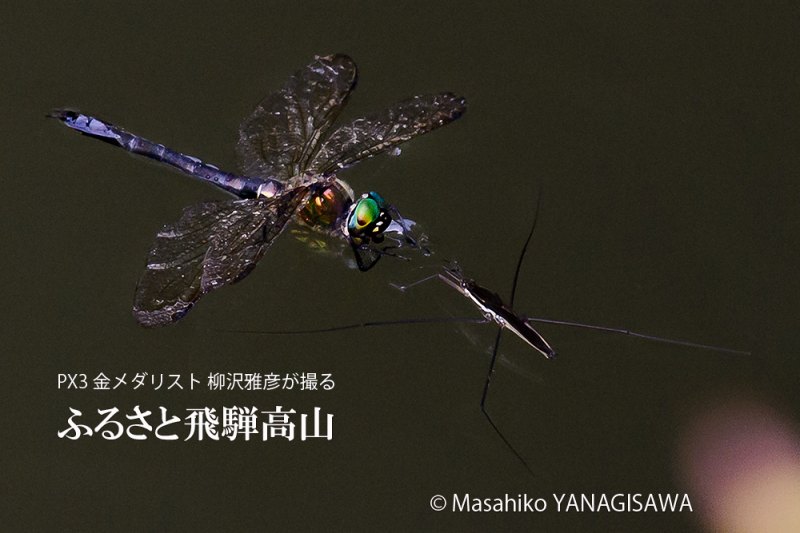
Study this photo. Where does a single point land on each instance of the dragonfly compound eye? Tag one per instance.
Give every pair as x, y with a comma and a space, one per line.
368, 219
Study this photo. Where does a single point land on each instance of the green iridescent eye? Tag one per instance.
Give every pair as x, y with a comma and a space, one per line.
364, 214
378, 198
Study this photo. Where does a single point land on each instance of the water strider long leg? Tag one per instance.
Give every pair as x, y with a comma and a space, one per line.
377, 323
404, 288
495, 351
440, 268
368, 324
631, 333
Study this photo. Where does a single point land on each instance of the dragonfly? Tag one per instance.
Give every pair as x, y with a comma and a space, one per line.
289, 156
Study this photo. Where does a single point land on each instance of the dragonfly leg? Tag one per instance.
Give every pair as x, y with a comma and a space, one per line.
390, 251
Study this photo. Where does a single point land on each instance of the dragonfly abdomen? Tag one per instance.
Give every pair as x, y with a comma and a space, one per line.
241, 186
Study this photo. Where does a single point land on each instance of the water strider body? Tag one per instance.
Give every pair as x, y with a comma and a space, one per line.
495, 310
289, 156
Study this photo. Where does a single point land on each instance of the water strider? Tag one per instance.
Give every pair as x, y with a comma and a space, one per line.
289, 157
502, 314
495, 310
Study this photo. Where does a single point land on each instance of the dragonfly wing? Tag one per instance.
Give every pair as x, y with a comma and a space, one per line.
368, 136
213, 244
281, 135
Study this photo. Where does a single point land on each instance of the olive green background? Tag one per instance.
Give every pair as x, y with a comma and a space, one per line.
664, 139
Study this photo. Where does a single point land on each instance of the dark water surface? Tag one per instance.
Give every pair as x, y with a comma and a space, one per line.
665, 140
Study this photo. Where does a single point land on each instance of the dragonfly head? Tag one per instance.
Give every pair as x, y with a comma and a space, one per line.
368, 218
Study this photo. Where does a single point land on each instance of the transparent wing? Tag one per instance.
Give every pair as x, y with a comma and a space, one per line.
213, 244
367, 136
281, 135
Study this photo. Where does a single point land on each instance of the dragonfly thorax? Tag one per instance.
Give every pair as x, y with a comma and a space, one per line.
327, 207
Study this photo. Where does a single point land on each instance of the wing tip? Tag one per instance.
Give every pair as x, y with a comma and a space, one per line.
458, 104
